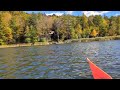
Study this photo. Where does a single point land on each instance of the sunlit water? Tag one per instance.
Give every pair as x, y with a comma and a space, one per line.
66, 61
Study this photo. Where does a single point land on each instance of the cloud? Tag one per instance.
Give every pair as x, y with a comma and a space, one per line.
89, 13
69, 12
117, 14
56, 13
60, 13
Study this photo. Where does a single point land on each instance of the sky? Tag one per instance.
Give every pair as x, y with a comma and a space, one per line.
79, 13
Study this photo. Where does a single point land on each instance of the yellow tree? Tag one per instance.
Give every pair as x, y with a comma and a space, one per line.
5, 19
5, 26
78, 30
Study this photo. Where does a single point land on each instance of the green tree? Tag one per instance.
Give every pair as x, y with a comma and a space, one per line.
113, 26
8, 34
118, 25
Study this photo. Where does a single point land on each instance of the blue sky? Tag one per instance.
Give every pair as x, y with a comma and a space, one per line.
76, 13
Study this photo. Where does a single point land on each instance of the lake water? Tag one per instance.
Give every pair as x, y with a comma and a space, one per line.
66, 61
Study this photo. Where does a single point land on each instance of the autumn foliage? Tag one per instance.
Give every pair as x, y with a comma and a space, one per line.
21, 27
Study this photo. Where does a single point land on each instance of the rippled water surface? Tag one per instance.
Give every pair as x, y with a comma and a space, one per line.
66, 61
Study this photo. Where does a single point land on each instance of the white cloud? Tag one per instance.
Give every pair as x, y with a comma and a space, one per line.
117, 14
88, 13
60, 13
69, 12
56, 13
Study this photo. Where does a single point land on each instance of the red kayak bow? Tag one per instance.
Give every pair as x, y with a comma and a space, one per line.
97, 72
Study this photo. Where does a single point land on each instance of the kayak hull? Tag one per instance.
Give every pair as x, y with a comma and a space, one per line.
97, 72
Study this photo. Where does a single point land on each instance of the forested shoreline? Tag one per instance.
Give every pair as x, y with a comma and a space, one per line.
17, 27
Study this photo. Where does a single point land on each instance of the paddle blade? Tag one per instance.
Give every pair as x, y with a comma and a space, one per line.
97, 72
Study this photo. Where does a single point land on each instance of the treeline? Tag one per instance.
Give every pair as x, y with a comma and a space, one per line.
21, 27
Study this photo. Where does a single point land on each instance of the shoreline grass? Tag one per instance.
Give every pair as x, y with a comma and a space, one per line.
106, 38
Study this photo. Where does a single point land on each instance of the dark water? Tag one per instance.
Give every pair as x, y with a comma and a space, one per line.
67, 61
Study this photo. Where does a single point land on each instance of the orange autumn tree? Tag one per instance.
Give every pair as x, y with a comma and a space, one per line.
94, 33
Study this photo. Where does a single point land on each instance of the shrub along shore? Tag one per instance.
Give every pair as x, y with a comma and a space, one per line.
62, 42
